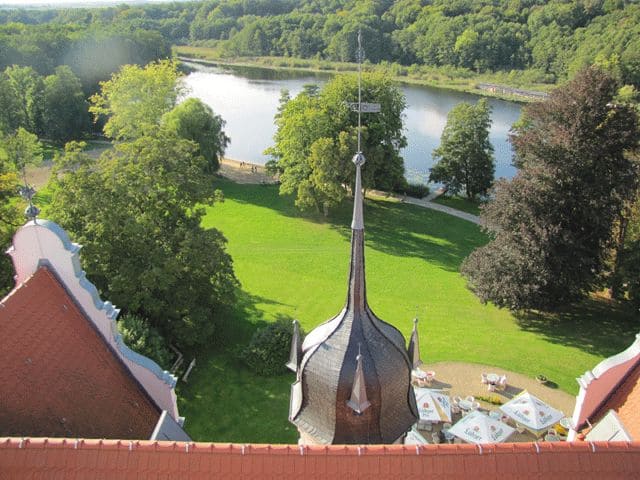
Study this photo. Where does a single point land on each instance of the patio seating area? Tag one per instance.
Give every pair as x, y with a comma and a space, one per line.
481, 404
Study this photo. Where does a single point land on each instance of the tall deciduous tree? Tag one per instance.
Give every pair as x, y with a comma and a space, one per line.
552, 224
465, 153
135, 99
27, 88
135, 212
316, 139
65, 114
193, 120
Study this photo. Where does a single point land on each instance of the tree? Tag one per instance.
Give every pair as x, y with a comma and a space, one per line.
65, 113
135, 211
466, 155
16, 152
27, 87
316, 139
135, 99
141, 337
552, 224
193, 120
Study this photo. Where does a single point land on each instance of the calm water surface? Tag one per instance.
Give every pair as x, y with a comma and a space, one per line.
247, 99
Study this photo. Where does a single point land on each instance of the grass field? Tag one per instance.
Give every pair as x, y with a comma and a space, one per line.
460, 203
295, 266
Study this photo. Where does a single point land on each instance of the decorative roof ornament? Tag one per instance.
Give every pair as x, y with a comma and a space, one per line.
336, 377
414, 346
27, 192
358, 401
296, 348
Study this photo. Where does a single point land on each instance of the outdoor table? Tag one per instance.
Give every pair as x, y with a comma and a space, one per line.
493, 378
465, 405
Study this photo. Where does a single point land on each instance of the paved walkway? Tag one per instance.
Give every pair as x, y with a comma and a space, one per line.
244, 172
427, 203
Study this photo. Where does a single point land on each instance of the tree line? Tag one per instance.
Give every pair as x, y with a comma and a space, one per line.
138, 208
551, 39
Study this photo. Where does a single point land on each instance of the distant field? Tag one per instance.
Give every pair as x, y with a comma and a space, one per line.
293, 266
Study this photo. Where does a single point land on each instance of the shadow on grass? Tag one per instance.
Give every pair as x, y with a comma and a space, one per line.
394, 228
596, 325
224, 400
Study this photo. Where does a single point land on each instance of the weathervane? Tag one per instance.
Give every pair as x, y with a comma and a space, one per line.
359, 106
27, 192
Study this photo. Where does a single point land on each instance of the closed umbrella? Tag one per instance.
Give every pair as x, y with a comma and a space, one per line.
433, 405
531, 412
480, 428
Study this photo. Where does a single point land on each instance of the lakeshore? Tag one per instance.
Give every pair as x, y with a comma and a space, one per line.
476, 85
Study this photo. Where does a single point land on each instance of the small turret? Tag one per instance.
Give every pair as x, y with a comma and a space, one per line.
414, 346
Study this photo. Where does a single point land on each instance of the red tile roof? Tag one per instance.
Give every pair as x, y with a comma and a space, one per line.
614, 385
48, 458
625, 400
59, 377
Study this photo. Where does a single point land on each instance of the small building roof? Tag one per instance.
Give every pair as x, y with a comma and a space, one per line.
612, 385
43, 458
59, 377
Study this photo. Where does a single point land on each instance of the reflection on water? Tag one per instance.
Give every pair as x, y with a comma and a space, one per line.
247, 98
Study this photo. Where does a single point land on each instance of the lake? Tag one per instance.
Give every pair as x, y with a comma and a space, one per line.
247, 99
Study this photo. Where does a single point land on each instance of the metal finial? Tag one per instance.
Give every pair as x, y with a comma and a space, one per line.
414, 346
27, 192
360, 56
359, 401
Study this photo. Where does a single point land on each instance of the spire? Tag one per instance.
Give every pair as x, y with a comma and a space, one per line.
358, 221
296, 348
414, 346
358, 401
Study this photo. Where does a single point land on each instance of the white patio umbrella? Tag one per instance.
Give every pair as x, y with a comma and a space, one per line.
433, 405
480, 428
531, 412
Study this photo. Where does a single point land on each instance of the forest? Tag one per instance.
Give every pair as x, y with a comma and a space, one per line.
547, 40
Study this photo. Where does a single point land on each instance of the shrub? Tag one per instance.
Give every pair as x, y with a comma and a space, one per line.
268, 351
417, 190
141, 337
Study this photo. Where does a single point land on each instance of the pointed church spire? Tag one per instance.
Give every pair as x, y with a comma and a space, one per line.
358, 220
414, 346
296, 348
358, 401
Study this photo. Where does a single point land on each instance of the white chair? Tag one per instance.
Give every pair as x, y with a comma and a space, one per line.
491, 387
470, 399
483, 378
502, 383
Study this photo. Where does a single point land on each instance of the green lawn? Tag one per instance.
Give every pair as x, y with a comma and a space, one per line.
460, 203
294, 266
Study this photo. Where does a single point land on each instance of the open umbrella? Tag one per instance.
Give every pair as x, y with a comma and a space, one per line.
433, 405
531, 412
480, 428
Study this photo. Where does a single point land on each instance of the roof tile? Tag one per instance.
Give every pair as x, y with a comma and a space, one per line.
108, 459
50, 346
